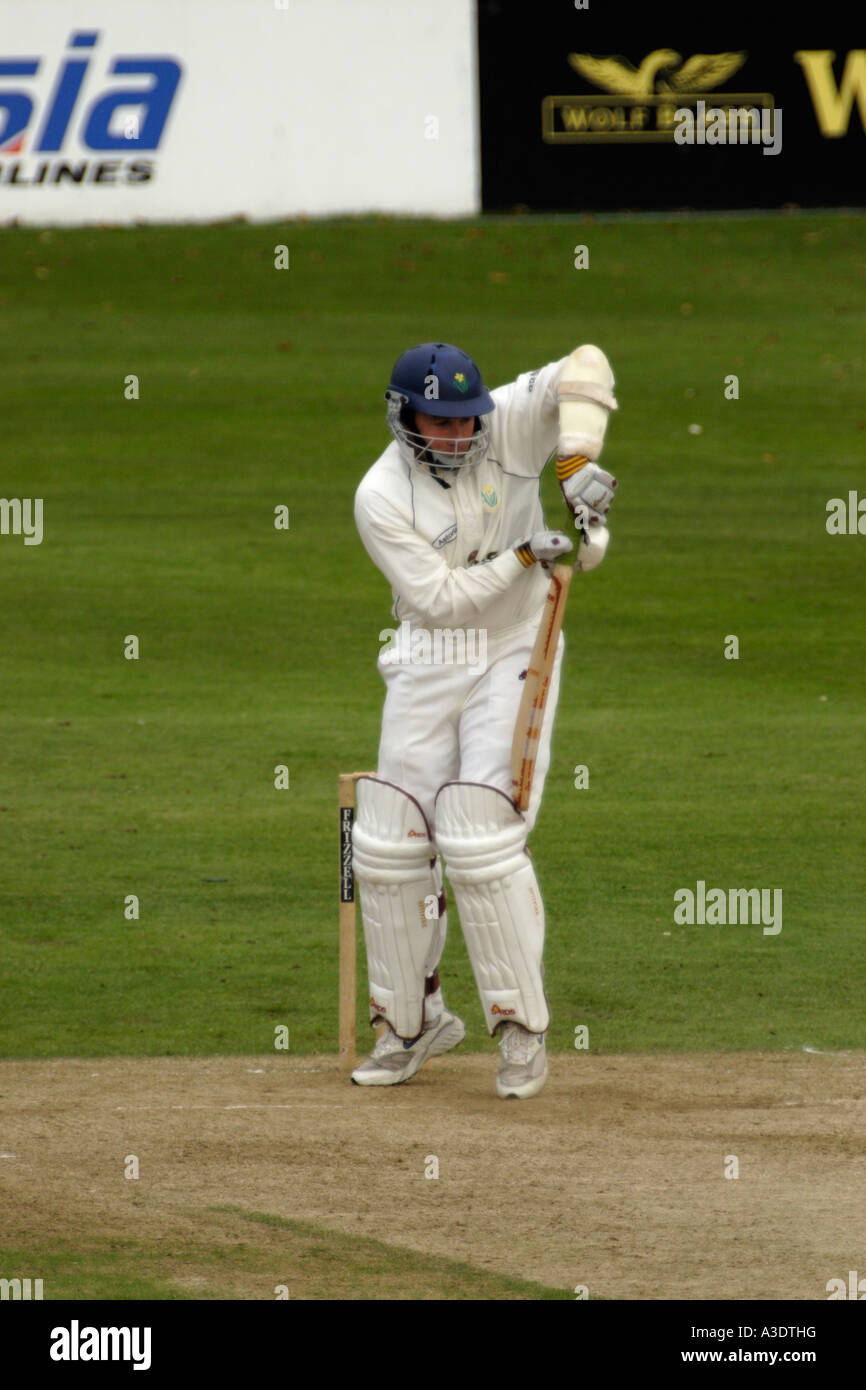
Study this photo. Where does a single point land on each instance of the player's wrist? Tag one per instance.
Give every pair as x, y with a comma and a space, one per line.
524, 554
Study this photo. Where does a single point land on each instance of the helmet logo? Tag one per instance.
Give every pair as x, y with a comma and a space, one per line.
460, 382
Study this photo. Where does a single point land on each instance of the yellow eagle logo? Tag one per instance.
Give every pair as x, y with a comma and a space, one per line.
663, 70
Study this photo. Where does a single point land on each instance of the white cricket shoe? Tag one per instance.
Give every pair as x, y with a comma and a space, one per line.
393, 1060
523, 1070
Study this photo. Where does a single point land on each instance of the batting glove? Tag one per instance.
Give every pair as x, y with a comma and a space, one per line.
592, 547
585, 486
543, 546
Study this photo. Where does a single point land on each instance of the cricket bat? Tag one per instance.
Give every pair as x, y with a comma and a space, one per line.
524, 748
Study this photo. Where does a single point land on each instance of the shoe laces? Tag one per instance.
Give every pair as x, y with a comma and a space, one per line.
518, 1046
388, 1043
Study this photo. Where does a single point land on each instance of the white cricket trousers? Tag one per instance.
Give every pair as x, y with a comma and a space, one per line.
446, 723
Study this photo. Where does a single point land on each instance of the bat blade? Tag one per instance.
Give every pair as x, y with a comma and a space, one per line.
530, 715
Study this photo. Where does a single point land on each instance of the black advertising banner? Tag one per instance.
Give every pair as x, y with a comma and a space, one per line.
598, 107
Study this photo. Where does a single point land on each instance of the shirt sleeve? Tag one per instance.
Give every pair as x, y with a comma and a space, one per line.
525, 424
419, 575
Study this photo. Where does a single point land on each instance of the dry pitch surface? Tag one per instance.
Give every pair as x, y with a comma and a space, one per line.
613, 1178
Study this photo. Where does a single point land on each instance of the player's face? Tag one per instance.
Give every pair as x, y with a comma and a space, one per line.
446, 435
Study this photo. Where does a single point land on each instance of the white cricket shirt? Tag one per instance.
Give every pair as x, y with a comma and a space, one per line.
447, 551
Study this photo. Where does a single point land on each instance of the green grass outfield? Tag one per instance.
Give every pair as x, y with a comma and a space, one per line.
234, 1255
261, 387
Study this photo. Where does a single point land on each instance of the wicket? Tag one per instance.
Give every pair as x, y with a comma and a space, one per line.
348, 972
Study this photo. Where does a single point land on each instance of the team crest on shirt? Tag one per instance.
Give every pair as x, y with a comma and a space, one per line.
490, 497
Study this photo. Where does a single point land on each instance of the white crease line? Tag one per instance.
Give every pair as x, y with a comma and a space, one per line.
294, 1105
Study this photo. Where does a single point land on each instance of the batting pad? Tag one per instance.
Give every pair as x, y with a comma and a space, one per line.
402, 904
586, 398
483, 840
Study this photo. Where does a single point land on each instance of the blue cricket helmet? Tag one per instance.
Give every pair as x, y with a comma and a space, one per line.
437, 379
441, 380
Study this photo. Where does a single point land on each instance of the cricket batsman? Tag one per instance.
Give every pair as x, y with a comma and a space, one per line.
451, 515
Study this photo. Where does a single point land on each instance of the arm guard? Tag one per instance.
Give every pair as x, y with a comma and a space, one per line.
585, 392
